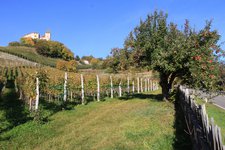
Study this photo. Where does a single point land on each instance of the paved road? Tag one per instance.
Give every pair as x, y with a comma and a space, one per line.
219, 100
216, 99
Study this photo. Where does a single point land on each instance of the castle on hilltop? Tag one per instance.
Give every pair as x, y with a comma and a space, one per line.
35, 35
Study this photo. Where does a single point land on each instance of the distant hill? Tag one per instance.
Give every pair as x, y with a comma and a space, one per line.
30, 54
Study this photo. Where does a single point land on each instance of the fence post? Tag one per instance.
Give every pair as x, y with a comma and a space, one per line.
128, 85
71, 95
141, 86
111, 83
37, 93
120, 90
145, 85
153, 83
138, 85
151, 86
65, 85
148, 85
133, 86
82, 89
98, 89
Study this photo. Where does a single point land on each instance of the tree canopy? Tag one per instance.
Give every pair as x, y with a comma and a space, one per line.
187, 54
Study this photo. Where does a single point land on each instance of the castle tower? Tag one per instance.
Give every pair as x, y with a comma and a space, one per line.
47, 36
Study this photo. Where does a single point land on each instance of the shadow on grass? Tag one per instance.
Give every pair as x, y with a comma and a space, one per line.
47, 108
156, 97
13, 110
182, 139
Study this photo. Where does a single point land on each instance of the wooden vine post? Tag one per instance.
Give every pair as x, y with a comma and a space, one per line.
65, 90
37, 94
138, 85
141, 86
120, 90
151, 85
133, 87
98, 89
128, 85
145, 85
82, 89
71, 96
111, 88
148, 84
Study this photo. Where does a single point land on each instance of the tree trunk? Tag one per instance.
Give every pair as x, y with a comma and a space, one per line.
165, 91
166, 81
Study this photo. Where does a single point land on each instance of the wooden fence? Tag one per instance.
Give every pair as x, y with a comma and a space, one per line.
205, 135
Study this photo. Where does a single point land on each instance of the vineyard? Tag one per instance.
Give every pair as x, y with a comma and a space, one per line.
29, 54
53, 85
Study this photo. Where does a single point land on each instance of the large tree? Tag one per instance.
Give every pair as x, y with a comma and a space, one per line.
188, 55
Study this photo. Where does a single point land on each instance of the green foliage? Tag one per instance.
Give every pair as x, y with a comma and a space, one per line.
14, 43
222, 76
29, 42
156, 44
53, 49
118, 61
77, 58
70, 66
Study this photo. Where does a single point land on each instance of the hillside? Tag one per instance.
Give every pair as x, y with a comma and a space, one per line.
29, 54
13, 60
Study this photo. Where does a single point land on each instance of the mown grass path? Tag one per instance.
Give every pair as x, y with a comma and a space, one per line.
137, 123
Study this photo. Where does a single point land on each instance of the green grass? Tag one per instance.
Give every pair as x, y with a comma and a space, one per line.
29, 54
217, 113
139, 123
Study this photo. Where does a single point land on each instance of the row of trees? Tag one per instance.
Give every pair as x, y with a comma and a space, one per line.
185, 54
52, 49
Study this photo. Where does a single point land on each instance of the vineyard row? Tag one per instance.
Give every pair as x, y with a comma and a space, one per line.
53, 85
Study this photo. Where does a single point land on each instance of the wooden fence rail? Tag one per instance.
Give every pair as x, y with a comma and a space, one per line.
205, 135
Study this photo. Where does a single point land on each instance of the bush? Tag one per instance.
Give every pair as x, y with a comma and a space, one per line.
14, 44
70, 66
53, 49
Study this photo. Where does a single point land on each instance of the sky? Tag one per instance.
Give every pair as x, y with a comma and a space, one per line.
94, 27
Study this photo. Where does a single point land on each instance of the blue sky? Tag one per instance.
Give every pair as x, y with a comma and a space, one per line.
93, 27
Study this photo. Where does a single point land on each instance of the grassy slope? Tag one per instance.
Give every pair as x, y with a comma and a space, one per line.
112, 124
30, 54
218, 114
